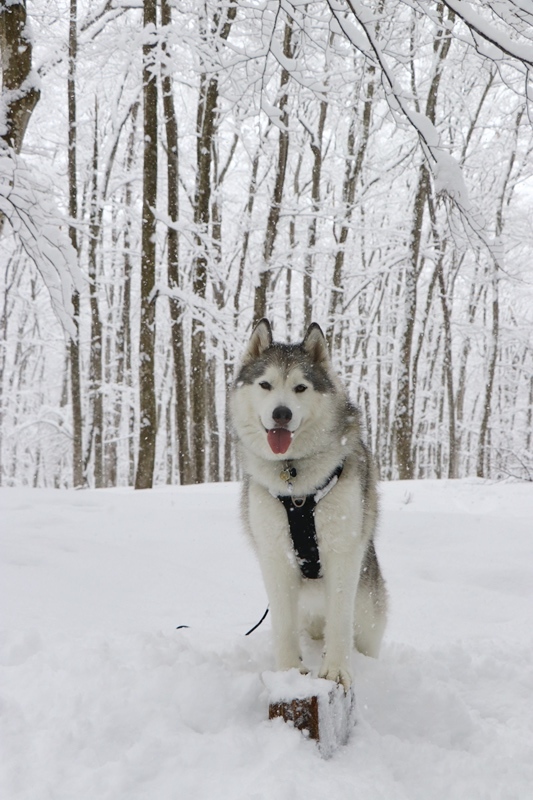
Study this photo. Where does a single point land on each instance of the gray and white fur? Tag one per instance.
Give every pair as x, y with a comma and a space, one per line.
294, 387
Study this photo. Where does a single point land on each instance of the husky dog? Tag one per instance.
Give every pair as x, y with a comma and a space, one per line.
309, 501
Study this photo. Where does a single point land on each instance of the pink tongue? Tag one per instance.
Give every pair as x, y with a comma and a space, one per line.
279, 440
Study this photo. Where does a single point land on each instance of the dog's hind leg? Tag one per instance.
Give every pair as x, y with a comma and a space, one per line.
370, 606
370, 623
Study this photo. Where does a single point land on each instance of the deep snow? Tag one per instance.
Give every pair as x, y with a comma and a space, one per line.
102, 698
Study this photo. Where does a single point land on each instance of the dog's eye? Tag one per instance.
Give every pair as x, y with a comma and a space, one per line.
300, 388
265, 385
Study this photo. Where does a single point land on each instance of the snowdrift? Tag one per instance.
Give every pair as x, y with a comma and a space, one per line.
101, 697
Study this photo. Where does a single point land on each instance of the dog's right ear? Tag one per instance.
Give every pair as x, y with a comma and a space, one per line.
315, 344
260, 340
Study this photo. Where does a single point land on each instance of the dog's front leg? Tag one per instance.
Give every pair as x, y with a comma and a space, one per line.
268, 521
341, 554
282, 590
340, 577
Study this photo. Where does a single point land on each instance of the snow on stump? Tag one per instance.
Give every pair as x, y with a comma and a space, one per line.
321, 709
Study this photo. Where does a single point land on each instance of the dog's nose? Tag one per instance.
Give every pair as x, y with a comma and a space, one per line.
282, 415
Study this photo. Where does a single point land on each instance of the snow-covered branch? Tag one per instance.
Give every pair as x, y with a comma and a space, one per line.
29, 210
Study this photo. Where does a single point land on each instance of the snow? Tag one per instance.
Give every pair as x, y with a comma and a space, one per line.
101, 697
292, 685
519, 50
337, 709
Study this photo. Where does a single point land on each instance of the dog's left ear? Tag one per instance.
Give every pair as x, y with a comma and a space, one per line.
315, 344
260, 340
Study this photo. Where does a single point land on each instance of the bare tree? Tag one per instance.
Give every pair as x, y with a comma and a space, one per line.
123, 335
495, 268
272, 225
96, 436
147, 402
406, 378
74, 343
316, 144
205, 132
173, 262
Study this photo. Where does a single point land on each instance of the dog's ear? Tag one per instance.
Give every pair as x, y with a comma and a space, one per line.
260, 340
315, 344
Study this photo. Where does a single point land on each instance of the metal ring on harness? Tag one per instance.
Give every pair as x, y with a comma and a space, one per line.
298, 502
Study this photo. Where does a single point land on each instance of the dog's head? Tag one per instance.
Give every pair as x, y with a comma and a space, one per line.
283, 393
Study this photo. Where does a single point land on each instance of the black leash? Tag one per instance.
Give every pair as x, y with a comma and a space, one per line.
257, 624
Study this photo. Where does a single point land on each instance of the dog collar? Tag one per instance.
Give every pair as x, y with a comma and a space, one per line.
301, 518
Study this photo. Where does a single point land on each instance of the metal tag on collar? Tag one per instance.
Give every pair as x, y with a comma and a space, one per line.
287, 474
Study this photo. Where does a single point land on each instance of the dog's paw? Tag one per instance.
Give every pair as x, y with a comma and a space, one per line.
285, 667
290, 660
333, 672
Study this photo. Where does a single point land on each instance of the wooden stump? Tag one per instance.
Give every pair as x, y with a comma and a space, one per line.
302, 713
321, 709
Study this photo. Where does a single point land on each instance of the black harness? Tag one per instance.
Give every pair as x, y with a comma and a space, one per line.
301, 516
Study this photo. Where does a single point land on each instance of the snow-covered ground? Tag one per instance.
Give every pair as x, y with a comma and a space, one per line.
102, 698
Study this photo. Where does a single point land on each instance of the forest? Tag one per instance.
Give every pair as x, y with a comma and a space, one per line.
171, 171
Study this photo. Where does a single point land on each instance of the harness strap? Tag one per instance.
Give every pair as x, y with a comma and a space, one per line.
301, 517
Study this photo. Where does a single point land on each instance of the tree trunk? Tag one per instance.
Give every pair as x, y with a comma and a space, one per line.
529, 422
78, 477
261, 291
352, 170
124, 371
406, 387
483, 450
220, 292
205, 132
252, 189
404, 408
316, 148
96, 353
483, 458
147, 403
16, 51
173, 266
440, 247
